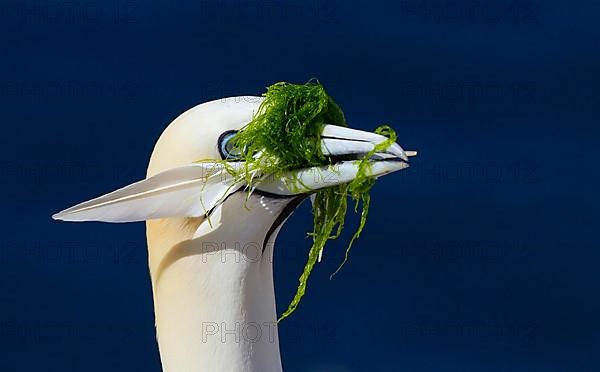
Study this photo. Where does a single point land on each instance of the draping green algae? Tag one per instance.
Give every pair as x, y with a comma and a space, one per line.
284, 135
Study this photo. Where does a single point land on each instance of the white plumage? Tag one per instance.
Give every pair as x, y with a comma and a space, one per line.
212, 277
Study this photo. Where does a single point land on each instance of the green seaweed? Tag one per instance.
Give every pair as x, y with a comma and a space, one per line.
286, 132
284, 135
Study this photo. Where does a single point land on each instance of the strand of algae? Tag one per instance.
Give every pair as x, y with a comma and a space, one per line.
286, 134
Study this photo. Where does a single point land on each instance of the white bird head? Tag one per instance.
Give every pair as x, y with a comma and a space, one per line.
183, 181
196, 208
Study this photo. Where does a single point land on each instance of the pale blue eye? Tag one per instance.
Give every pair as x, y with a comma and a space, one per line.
227, 147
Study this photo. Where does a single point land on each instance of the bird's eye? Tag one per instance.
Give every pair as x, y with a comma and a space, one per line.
228, 148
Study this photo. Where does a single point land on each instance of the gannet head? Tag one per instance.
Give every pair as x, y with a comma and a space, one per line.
190, 200
183, 181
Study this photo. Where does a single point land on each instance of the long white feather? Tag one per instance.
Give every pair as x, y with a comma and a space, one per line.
188, 191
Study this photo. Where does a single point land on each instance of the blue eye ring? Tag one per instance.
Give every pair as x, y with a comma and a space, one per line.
226, 146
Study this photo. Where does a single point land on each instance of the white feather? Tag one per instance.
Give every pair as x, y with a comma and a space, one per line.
188, 191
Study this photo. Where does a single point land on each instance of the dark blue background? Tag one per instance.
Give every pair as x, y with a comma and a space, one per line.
482, 256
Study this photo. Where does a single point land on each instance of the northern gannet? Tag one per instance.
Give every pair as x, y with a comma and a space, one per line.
212, 277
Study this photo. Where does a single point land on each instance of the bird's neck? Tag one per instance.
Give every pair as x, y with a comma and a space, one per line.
213, 289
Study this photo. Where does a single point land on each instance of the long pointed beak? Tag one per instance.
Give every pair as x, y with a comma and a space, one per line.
342, 141
344, 147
